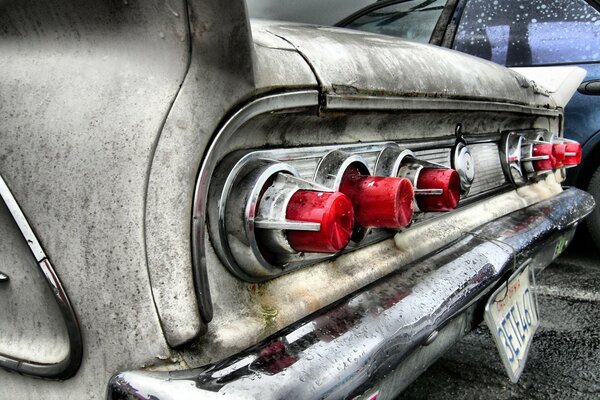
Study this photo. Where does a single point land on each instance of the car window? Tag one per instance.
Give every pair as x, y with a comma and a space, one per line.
530, 32
323, 12
413, 19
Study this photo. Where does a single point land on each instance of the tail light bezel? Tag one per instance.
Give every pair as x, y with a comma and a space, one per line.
525, 156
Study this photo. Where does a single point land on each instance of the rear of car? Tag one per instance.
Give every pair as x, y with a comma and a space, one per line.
201, 206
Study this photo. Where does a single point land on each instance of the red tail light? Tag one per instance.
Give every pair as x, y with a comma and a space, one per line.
332, 210
379, 202
572, 154
532, 154
558, 151
445, 180
546, 153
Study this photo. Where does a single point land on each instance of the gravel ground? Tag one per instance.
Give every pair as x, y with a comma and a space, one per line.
564, 361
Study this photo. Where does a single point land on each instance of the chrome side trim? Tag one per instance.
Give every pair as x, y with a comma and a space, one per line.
277, 102
378, 335
69, 366
374, 103
21, 221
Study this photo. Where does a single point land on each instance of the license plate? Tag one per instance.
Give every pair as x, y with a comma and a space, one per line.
512, 316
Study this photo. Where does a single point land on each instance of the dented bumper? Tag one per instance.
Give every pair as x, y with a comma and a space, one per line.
382, 337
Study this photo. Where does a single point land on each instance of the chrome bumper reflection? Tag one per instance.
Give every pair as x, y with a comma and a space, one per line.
385, 334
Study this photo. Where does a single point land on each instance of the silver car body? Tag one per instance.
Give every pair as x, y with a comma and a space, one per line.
113, 118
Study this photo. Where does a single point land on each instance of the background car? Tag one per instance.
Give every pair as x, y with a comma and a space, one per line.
515, 33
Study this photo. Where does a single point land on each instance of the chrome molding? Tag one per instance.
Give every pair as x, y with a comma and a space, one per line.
67, 367
277, 102
511, 158
375, 103
384, 335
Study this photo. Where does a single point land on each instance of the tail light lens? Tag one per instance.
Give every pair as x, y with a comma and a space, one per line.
572, 154
379, 202
333, 211
559, 150
557, 155
443, 186
547, 160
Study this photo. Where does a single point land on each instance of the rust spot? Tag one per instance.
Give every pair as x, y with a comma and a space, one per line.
344, 89
269, 314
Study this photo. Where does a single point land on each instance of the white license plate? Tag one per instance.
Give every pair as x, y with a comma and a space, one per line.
512, 316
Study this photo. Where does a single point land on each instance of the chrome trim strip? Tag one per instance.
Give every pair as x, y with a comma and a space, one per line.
277, 102
485, 138
21, 221
473, 198
69, 366
372, 337
287, 224
427, 144
374, 103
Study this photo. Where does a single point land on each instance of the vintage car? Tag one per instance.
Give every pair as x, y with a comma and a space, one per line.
195, 205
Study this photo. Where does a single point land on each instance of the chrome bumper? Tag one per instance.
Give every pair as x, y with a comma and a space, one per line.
382, 337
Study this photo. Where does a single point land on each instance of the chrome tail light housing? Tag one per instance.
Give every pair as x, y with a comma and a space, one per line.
278, 210
529, 155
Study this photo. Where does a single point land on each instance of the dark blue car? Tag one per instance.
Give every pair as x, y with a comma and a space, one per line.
516, 33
